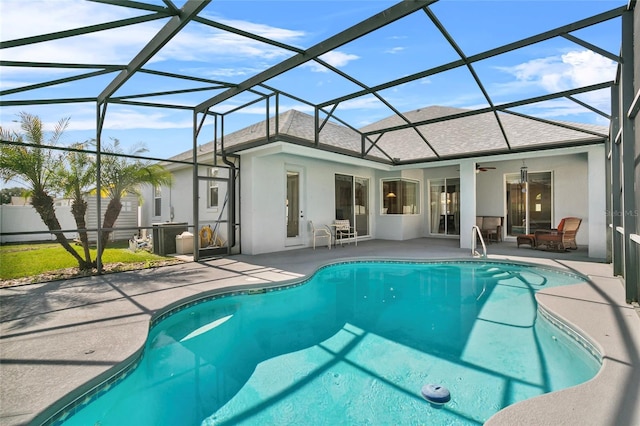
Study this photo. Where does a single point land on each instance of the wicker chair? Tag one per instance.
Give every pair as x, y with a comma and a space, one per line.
562, 238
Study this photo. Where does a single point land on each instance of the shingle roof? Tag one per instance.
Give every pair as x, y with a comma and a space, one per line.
477, 133
450, 138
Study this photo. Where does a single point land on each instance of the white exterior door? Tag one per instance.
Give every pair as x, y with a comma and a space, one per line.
294, 206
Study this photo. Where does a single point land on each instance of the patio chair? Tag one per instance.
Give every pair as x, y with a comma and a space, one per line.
344, 231
490, 227
561, 238
323, 232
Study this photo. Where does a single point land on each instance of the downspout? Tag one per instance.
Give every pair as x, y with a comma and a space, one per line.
231, 229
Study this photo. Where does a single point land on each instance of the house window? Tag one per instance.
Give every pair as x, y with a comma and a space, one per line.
212, 189
157, 201
400, 196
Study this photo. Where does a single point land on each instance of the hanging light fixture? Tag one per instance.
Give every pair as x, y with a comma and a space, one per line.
524, 174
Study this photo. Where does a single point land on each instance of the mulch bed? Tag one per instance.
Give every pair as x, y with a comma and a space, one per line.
69, 273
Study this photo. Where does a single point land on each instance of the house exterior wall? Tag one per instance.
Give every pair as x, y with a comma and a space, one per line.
570, 187
577, 191
177, 201
263, 188
597, 228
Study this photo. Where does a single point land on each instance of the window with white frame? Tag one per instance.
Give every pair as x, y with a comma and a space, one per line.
400, 196
212, 189
157, 201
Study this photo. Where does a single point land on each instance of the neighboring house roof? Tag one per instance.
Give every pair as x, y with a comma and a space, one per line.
392, 140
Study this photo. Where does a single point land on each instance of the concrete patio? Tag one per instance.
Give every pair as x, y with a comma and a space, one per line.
56, 336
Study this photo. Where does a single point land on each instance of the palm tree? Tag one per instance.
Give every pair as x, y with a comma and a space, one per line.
36, 166
120, 176
76, 179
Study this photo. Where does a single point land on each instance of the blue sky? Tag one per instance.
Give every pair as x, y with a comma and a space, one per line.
410, 45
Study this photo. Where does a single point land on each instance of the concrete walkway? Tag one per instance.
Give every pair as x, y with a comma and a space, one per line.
57, 336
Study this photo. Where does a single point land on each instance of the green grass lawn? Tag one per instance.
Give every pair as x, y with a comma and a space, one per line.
27, 260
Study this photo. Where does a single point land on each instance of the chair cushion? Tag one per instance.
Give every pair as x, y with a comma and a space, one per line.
550, 236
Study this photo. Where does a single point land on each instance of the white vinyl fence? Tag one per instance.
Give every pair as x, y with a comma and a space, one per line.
25, 219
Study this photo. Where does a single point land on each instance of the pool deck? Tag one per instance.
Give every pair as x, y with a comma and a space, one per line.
56, 336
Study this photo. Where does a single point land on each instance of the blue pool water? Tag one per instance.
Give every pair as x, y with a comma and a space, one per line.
353, 345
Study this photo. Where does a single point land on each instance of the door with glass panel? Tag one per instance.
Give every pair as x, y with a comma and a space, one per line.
293, 206
352, 201
445, 206
529, 202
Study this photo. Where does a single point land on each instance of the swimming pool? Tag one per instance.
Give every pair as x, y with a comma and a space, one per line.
354, 344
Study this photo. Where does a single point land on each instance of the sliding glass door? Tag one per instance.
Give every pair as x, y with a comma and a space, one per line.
352, 201
529, 204
445, 206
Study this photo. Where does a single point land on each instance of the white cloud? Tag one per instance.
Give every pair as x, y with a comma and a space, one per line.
225, 55
559, 108
136, 119
573, 69
195, 42
24, 19
395, 50
587, 67
363, 102
335, 58
21, 19
206, 44
558, 73
83, 118
338, 59
225, 73
274, 33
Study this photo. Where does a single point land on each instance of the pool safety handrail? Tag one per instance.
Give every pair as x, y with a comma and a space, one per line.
475, 234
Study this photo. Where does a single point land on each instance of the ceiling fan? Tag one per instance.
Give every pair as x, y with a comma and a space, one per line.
483, 169
480, 168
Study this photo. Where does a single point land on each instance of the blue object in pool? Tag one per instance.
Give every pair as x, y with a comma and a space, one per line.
436, 394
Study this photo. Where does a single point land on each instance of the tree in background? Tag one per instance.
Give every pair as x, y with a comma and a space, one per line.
37, 166
121, 175
7, 193
73, 173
